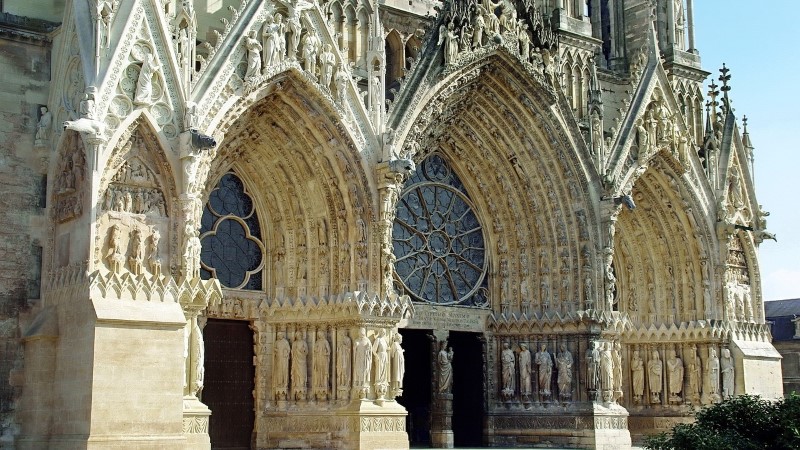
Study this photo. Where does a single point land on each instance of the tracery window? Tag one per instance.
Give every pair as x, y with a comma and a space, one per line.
438, 240
230, 236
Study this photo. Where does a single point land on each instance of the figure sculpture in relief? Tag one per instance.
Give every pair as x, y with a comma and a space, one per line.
311, 47
693, 377
44, 126
713, 375
299, 366
524, 370
294, 9
675, 368
363, 362
136, 256
253, 56
593, 366
144, 84
507, 360
545, 363
344, 357
445, 364
727, 370
477, 31
279, 38
655, 377
380, 350
606, 371
154, 262
115, 258
280, 373
447, 35
564, 365
524, 42
637, 376
398, 363
341, 79
321, 366
270, 38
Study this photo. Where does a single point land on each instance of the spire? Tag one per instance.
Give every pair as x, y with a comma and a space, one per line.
746, 136
725, 78
711, 107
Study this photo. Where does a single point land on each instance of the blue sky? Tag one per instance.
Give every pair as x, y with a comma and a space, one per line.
758, 42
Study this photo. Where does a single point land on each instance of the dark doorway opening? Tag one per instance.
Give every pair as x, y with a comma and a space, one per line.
416, 396
468, 404
229, 383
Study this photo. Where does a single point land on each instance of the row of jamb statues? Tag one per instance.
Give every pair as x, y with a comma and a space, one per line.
370, 369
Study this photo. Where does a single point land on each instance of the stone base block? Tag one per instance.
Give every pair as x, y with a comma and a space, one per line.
442, 439
611, 427
195, 424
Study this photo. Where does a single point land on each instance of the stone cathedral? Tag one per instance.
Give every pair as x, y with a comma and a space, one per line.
370, 224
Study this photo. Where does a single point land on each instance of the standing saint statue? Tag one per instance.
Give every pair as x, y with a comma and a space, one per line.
545, 363
380, 349
713, 375
507, 360
398, 363
564, 364
727, 374
326, 61
655, 377
445, 368
606, 371
253, 56
144, 84
299, 367
363, 362
524, 370
593, 366
344, 361
637, 376
280, 371
675, 368
321, 366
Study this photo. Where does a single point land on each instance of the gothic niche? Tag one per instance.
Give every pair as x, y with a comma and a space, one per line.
70, 177
438, 240
230, 237
136, 217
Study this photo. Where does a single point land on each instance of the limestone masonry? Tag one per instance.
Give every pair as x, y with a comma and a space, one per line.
363, 224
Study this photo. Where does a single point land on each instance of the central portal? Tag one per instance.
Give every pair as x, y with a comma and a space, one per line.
419, 386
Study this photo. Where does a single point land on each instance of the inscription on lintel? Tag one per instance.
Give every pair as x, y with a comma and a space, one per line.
452, 318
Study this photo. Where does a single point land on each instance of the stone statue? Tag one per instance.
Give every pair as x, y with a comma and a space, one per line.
144, 84
299, 366
398, 363
311, 47
375, 94
280, 372
154, 262
712, 367
477, 31
343, 361
294, 9
524, 42
43, 127
253, 56
445, 368
341, 78
564, 364
637, 376
199, 358
654, 377
321, 366
606, 371
545, 363
363, 361
448, 36
693, 377
116, 261
525, 370
507, 360
675, 368
136, 256
380, 350
728, 374
278, 30
326, 63
269, 37
593, 366
617, 353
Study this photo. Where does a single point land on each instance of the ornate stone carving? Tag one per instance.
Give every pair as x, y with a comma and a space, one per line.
362, 363
564, 363
444, 371
508, 368
654, 377
676, 371
524, 370
280, 371
398, 365
545, 369
299, 371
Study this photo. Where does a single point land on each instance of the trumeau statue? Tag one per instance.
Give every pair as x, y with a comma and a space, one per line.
445, 368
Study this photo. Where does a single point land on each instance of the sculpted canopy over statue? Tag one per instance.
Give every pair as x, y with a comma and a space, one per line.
545, 363
445, 366
299, 366
525, 370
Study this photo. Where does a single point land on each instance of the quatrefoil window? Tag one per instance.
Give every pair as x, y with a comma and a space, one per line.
438, 240
230, 237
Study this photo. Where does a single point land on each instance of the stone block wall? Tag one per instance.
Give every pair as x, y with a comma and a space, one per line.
25, 71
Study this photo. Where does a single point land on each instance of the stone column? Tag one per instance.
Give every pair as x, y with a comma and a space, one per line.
690, 25
442, 395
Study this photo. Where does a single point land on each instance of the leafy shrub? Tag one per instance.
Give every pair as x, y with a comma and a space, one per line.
746, 422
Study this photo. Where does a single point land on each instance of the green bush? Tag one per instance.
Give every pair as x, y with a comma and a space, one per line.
745, 422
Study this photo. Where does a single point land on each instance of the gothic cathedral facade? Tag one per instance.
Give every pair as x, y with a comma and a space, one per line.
366, 224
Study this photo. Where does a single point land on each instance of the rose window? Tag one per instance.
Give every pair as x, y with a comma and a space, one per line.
438, 240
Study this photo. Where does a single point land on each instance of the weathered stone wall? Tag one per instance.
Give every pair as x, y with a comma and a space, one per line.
25, 71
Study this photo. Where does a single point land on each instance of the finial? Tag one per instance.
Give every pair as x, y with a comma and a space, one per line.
713, 93
725, 78
746, 136
744, 124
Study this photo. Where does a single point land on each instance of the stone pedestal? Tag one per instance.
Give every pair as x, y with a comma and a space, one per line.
611, 427
195, 423
442, 421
